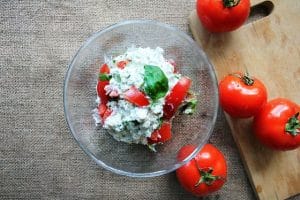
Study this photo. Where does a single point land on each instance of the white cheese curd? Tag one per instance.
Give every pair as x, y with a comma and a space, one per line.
133, 73
127, 122
131, 124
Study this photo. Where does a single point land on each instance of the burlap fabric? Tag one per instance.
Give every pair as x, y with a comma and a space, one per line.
38, 157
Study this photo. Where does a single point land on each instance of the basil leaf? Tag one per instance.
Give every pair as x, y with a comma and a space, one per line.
155, 82
104, 77
190, 107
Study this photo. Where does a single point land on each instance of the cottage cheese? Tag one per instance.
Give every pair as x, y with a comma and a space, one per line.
128, 122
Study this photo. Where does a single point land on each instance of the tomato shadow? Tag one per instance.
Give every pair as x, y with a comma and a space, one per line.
258, 156
211, 40
180, 193
221, 48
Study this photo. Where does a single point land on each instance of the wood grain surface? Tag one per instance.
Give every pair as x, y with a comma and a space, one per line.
270, 49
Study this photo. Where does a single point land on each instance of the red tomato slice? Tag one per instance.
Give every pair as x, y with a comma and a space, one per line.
138, 98
162, 134
106, 114
101, 109
104, 111
104, 69
165, 132
176, 96
154, 137
101, 91
122, 64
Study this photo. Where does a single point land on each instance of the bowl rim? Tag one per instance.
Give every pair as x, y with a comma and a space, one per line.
212, 75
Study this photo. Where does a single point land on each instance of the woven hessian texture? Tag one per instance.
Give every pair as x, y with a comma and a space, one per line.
38, 157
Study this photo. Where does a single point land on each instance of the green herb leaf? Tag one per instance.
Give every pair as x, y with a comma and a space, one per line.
156, 83
104, 77
152, 147
117, 77
189, 104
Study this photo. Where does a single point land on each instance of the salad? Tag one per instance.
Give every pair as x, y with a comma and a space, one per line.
139, 93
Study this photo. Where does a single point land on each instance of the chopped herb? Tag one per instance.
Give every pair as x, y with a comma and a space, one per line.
177, 76
135, 122
104, 77
117, 77
152, 147
189, 104
156, 83
160, 122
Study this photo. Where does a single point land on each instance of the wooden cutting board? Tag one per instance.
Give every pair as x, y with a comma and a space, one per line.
270, 49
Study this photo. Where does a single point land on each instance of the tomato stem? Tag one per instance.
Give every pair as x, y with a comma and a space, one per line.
246, 78
206, 175
230, 3
293, 125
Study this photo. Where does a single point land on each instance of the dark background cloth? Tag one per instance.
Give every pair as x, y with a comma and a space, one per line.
38, 157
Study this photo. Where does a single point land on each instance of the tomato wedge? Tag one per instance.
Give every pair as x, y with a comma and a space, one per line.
122, 64
104, 69
165, 132
135, 96
106, 114
176, 96
101, 109
101, 91
162, 134
104, 111
154, 137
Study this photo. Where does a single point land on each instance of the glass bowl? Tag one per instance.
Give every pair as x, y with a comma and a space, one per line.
80, 95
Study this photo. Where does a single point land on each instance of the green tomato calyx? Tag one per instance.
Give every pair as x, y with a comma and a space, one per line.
293, 125
206, 175
230, 3
246, 78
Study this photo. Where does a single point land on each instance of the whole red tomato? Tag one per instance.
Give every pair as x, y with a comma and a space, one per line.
203, 174
241, 95
277, 124
222, 15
